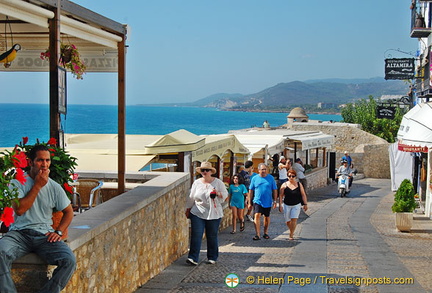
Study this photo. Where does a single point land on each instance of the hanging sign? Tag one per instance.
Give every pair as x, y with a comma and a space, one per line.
399, 68
30, 61
387, 112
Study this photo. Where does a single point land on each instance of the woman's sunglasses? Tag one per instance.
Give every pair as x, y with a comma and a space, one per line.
205, 170
291, 176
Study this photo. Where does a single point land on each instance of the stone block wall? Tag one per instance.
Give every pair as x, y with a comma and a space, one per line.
364, 148
132, 237
121, 244
376, 161
317, 178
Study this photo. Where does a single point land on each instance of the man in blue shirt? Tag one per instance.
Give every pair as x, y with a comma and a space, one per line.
348, 158
263, 194
32, 231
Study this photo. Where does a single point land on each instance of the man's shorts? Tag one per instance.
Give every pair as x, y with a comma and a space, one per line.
258, 209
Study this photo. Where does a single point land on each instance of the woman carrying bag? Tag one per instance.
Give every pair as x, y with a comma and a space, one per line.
204, 209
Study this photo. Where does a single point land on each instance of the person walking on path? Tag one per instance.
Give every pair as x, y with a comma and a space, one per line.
299, 168
263, 194
237, 193
283, 168
293, 196
32, 231
204, 209
247, 175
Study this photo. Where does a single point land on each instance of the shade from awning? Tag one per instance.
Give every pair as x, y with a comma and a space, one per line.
415, 131
311, 140
218, 145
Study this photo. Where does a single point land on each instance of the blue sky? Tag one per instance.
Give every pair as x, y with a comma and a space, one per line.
185, 50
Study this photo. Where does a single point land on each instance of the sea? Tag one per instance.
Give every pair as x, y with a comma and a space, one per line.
32, 120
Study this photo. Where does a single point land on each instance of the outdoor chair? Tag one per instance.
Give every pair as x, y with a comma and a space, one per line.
87, 193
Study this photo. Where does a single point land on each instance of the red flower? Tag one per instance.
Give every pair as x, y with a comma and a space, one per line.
8, 216
25, 140
68, 188
19, 159
52, 141
20, 176
75, 176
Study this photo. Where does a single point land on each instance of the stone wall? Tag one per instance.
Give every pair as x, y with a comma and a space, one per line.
122, 243
375, 165
317, 178
369, 152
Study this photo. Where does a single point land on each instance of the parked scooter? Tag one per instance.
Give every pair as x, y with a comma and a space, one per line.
343, 185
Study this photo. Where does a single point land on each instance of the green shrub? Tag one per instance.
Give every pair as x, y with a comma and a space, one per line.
404, 201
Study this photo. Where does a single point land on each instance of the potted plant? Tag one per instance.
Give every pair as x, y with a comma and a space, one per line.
70, 58
404, 205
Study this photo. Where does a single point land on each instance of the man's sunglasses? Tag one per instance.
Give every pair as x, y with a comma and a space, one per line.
205, 170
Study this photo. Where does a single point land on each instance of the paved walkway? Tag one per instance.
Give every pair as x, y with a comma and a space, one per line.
339, 241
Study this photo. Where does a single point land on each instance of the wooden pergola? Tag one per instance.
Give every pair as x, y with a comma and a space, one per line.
40, 24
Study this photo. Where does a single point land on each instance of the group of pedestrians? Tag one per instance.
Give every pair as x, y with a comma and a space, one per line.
258, 191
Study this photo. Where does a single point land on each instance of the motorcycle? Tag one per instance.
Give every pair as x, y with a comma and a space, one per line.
343, 185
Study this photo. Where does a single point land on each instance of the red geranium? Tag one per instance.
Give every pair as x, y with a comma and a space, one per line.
52, 141
68, 188
7, 217
19, 159
20, 176
25, 140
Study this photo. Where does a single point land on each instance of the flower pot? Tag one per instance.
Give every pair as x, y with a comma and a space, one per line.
404, 221
66, 55
56, 218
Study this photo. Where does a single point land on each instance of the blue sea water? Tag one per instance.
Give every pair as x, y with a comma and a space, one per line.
32, 120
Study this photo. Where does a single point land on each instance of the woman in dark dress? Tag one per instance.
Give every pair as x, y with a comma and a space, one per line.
294, 197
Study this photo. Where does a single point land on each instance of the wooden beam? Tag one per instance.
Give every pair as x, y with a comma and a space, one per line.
121, 116
54, 48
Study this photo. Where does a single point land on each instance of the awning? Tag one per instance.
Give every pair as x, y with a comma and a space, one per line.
175, 142
415, 131
311, 140
95, 36
260, 144
218, 145
104, 162
98, 152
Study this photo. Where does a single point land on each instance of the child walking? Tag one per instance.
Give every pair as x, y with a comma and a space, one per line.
237, 193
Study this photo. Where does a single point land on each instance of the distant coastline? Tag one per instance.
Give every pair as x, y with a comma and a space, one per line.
279, 111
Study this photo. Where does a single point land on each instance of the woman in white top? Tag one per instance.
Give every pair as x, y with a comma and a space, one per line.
204, 209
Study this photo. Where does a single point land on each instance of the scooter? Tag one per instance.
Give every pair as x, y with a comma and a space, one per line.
343, 185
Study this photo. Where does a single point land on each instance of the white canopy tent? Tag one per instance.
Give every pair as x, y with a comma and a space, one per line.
415, 136
416, 127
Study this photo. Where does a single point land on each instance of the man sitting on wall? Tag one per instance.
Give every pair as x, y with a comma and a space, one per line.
32, 231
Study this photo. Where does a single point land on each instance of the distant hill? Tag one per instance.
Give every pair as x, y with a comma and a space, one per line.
311, 92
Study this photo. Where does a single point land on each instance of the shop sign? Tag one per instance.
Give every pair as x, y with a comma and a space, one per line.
386, 112
412, 148
399, 68
30, 61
